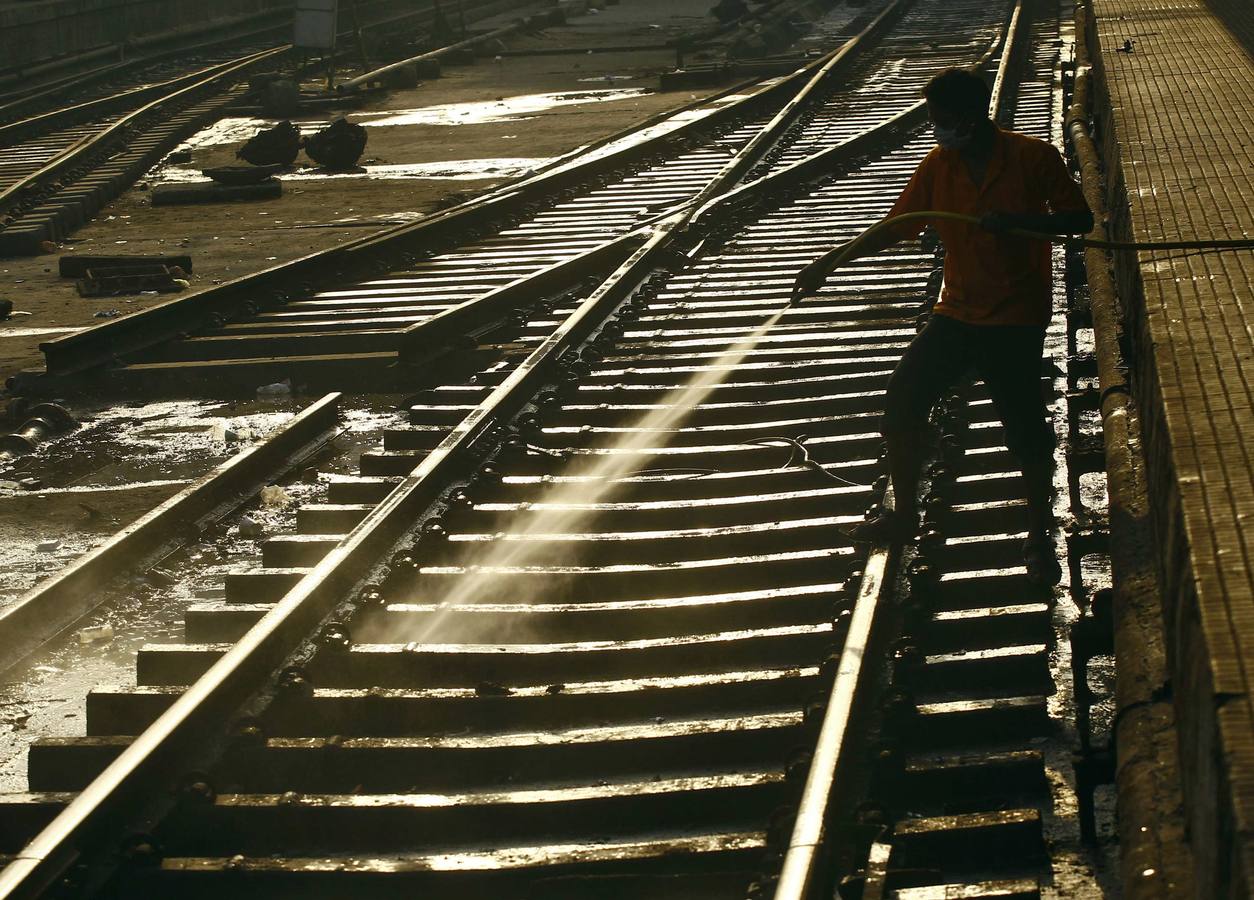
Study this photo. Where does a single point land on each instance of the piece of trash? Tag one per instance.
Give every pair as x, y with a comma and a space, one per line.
272, 146
6, 308
94, 633
250, 527
20, 312
492, 689
9, 485
338, 146
555, 688
278, 389
30, 484
89, 512
106, 313
223, 433
275, 496
162, 577
47, 246
48, 546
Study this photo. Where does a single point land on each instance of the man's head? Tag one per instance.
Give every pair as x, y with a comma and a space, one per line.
957, 104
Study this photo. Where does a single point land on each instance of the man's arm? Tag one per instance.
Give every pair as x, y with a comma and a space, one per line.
914, 198
811, 278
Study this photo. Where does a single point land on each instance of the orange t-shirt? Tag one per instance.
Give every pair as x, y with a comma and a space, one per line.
993, 279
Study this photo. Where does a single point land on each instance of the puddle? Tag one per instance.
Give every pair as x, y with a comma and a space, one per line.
33, 332
489, 111
449, 170
237, 129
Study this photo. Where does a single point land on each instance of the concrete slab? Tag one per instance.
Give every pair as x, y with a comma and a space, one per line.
1178, 135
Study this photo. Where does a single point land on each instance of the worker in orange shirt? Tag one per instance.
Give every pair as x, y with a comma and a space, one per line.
994, 307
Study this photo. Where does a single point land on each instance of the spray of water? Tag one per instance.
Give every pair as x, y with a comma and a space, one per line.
566, 506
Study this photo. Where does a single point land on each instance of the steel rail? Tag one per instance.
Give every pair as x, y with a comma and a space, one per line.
159, 754
421, 341
74, 591
800, 875
375, 75
123, 789
102, 105
103, 343
74, 152
425, 336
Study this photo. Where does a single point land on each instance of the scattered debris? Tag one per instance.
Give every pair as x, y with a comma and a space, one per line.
51, 545
1128, 44
30, 484
163, 577
272, 146
95, 633
338, 146
555, 688
278, 389
492, 689
250, 527
106, 313
179, 156
115, 281
275, 496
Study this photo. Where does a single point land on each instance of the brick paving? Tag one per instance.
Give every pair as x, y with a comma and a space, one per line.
1182, 123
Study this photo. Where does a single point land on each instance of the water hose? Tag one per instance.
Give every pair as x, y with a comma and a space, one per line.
1203, 246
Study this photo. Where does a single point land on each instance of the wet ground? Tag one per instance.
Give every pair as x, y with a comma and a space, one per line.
46, 696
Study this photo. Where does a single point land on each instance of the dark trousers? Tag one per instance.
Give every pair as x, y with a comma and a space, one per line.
1007, 358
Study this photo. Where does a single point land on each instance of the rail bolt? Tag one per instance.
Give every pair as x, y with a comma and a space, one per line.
462, 500
798, 766
922, 575
907, 665
870, 813
900, 712
335, 636
815, 709
197, 789
840, 628
762, 888
889, 767
931, 541
141, 850
248, 734
293, 682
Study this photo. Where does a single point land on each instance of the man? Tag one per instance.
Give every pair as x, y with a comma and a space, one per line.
995, 305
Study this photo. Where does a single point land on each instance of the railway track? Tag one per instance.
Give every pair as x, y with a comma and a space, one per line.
59, 167
511, 246
585, 626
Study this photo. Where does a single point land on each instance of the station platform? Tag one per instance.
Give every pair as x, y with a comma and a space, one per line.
1178, 148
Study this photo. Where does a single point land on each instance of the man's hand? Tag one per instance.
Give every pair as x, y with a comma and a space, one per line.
809, 280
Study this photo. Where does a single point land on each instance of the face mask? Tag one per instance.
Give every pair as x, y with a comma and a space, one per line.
950, 138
